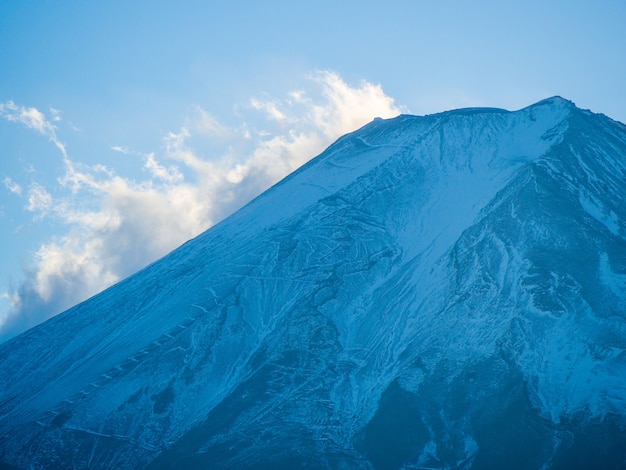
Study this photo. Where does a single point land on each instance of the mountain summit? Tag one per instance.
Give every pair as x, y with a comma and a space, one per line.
444, 291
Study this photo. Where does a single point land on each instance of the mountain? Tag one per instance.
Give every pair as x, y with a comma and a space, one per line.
443, 291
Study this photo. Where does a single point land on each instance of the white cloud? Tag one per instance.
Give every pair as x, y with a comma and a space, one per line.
206, 124
56, 114
12, 186
117, 148
270, 108
349, 107
39, 200
4, 313
115, 225
170, 174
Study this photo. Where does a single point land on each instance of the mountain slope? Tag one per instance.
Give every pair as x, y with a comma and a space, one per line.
438, 291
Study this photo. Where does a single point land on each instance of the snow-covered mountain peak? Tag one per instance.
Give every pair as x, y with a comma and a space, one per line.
443, 291
555, 102
475, 141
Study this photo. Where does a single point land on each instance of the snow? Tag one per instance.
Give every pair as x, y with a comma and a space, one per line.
594, 208
616, 282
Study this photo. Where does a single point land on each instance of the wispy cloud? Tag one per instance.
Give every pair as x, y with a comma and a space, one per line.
39, 200
56, 114
33, 119
12, 186
206, 124
270, 108
169, 174
117, 148
115, 225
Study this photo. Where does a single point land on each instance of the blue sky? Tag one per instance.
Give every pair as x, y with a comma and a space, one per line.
128, 127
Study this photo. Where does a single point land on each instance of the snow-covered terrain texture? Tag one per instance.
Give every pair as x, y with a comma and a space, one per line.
446, 291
